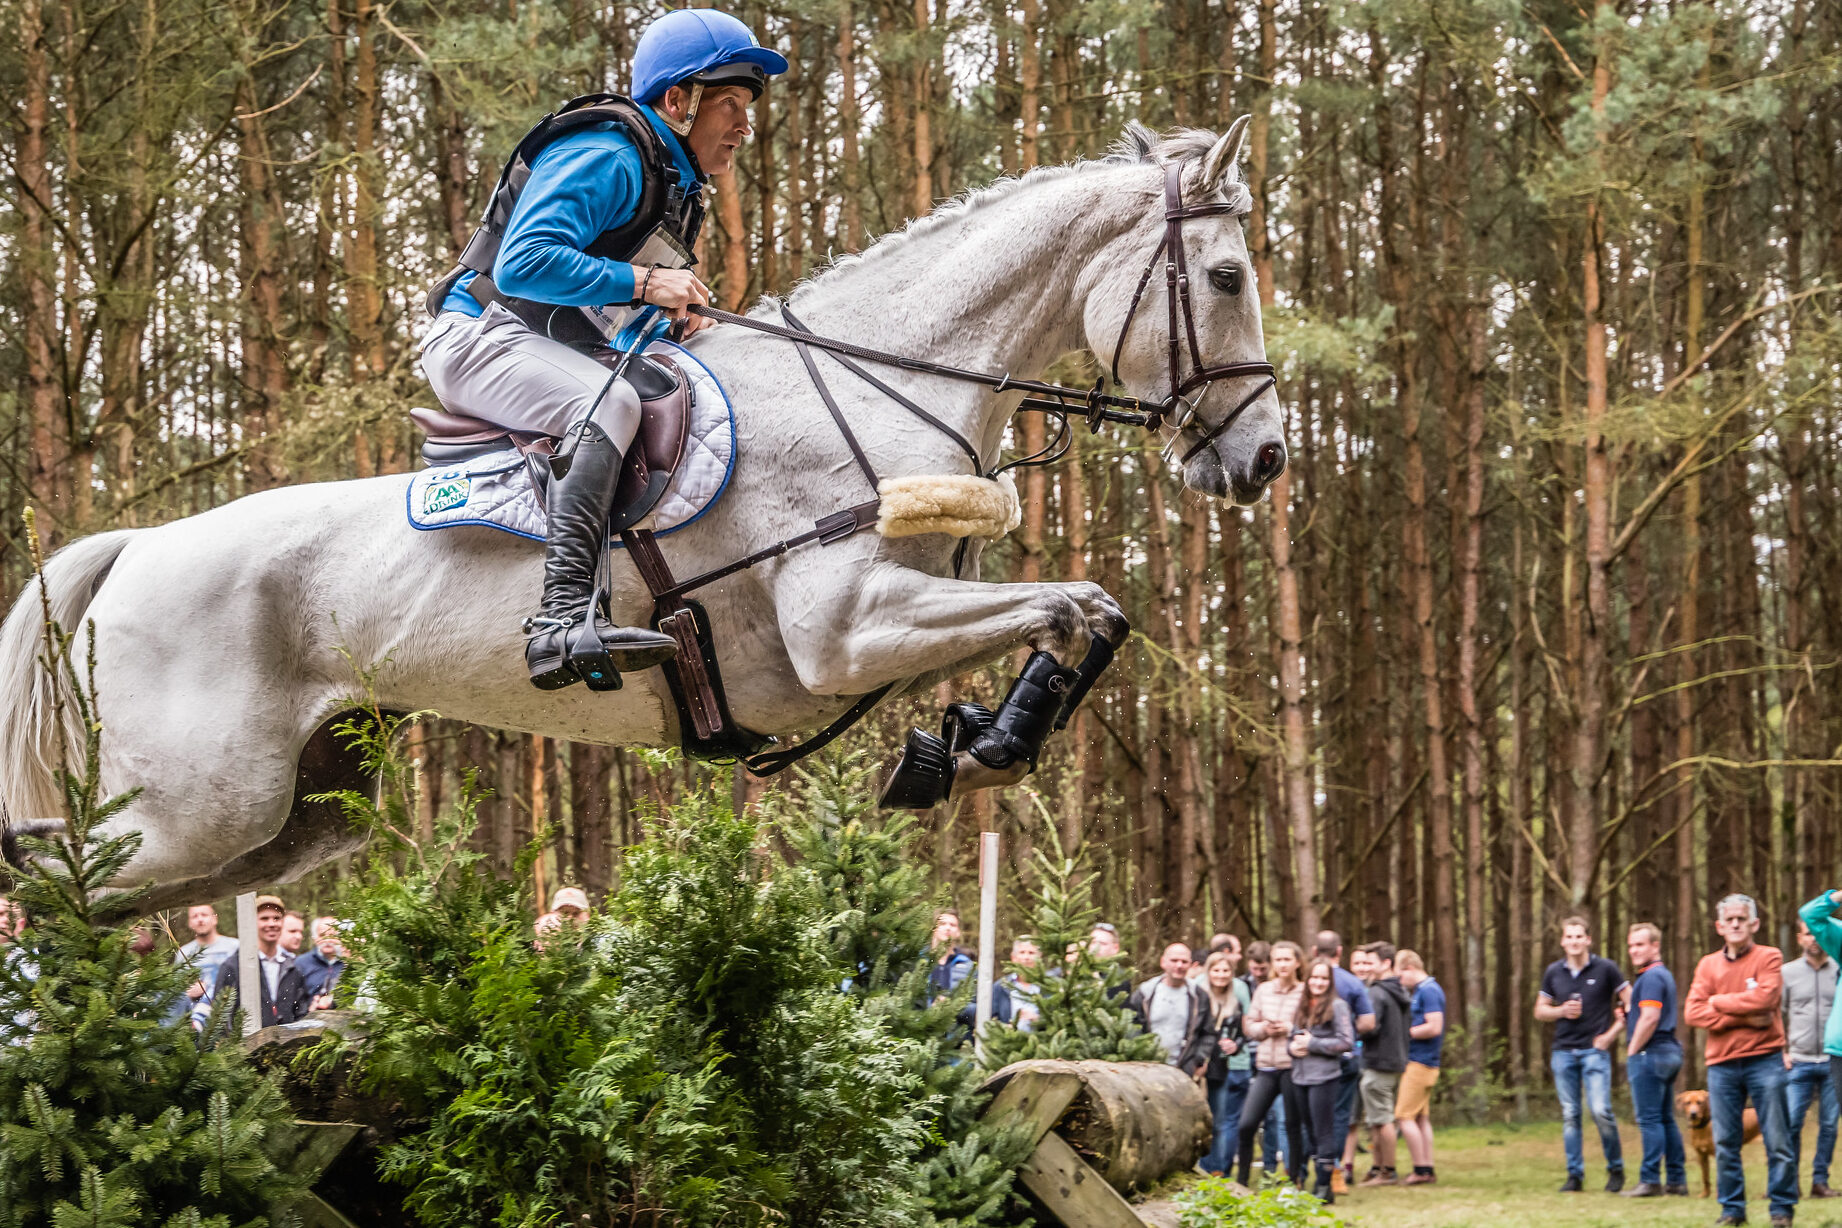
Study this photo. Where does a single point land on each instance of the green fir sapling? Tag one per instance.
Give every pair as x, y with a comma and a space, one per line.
882, 914
684, 1060
1082, 1015
112, 1116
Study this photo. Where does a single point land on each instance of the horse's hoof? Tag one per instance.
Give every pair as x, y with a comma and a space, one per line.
962, 723
12, 856
969, 775
923, 776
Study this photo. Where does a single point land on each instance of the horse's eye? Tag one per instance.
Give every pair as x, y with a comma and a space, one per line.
1226, 279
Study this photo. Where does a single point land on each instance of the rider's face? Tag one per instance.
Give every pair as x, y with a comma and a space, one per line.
720, 128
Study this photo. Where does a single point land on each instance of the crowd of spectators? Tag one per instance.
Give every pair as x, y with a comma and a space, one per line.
1294, 1054
1291, 1052
291, 984
1774, 1041
1297, 1053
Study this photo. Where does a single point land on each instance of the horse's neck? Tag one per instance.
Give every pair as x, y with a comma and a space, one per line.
996, 286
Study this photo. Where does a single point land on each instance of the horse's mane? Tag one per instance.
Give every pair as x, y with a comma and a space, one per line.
1136, 145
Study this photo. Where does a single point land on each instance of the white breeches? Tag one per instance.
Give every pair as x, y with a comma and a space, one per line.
494, 368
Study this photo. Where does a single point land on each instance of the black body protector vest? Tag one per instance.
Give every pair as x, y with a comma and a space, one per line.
662, 231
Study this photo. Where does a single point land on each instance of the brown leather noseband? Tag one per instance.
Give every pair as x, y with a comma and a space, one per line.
1177, 296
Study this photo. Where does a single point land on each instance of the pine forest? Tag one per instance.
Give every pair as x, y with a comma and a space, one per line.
1541, 619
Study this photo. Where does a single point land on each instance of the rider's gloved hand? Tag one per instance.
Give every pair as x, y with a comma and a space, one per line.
675, 290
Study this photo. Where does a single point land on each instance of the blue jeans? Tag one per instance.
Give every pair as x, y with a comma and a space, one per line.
1803, 1083
1730, 1084
1225, 1099
1349, 1089
1653, 1084
1591, 1070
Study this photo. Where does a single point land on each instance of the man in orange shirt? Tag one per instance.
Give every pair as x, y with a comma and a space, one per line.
1735, 996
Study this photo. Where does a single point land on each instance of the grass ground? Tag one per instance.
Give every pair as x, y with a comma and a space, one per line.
1507, 1177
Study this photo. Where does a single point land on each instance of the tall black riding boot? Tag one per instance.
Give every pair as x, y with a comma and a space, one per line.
571, 638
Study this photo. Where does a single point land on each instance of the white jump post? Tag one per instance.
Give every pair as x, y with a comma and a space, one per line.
249, 988
988, 934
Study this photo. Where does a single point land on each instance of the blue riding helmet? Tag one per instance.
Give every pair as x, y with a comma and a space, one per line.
713, 47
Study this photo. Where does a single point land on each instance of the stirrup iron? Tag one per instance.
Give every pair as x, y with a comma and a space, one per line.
586, 654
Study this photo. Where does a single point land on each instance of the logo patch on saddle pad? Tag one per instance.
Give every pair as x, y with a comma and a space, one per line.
445, 491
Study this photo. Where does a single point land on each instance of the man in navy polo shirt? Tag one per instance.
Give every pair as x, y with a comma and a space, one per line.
1355, 994
1653, 1058
1581, 995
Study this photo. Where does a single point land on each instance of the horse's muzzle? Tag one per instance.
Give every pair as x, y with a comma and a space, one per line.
1269, 461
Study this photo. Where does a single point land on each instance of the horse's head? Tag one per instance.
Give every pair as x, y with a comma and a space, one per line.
1229, 446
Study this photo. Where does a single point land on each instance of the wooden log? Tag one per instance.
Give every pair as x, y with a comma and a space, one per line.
1070, 1189
1134, 1122
1137, 1122
306, 1149
1033, 1095
1162, 1214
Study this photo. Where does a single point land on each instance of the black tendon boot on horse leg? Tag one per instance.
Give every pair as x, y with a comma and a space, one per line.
571, 639
979, 748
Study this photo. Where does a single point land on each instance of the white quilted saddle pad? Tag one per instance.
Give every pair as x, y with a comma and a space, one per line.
496, 490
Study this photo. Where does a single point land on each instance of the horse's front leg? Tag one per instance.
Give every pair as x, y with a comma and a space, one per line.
849, 630
895, 623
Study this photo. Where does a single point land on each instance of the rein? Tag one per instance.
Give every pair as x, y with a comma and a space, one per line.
696, 682
1040, 396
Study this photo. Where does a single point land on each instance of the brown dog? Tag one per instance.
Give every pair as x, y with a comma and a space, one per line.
1694, 1109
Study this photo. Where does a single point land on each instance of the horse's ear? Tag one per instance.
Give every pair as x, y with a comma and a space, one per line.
1218, 167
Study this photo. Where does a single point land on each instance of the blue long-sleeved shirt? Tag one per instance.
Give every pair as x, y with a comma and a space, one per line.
580, 186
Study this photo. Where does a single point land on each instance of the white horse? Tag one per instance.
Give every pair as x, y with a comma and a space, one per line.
220, 639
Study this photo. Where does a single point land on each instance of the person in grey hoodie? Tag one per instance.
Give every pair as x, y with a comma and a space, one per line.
1322, 1032
1384, 1056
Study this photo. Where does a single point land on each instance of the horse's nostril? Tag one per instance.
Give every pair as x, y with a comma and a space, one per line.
1270, 461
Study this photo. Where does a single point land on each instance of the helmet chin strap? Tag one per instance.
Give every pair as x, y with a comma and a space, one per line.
683, 126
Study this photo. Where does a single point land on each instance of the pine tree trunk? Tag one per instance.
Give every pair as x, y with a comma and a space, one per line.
1470, 683
454, 178
1596, 499
1030, 76
796, 158
922, 201
261, 217
849, 120
733, 290
47, 475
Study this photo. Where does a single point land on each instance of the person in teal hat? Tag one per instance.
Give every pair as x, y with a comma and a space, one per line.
587, 237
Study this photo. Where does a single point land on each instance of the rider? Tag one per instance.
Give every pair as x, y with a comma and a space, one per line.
596, 214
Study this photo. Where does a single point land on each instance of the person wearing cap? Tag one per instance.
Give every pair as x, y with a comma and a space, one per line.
585, 241
570, 904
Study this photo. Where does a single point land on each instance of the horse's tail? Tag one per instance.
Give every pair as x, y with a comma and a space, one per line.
29, 744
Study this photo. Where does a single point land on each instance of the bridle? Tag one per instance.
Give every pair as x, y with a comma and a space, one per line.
1182, 412
1060, 400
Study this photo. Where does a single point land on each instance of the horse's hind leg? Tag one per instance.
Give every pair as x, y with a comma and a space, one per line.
314, 832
